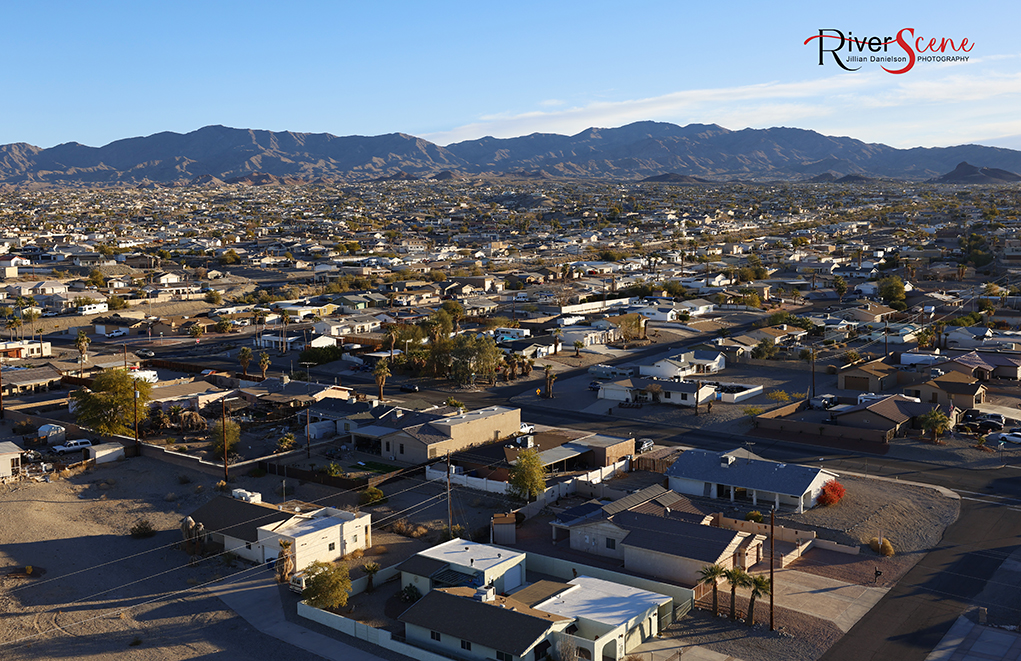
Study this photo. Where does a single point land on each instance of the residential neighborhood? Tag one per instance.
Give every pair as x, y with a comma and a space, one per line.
506, 419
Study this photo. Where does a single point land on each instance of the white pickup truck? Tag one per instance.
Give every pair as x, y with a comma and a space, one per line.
76, 445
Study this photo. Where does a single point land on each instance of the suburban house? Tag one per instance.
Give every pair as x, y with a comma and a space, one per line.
468, 611
894, 414
417, 437
681, 393
875, 376
949, 389
10, 459
697, 307
253, 530
681, 365
742, 475
871, 313
558, 451
656, 532
986, 365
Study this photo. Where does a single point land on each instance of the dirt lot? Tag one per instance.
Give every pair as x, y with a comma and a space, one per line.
104, 594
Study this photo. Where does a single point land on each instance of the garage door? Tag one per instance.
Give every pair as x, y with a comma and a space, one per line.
856, 383
512, 578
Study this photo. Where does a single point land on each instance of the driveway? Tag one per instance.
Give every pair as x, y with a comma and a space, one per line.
841, 603
256, 598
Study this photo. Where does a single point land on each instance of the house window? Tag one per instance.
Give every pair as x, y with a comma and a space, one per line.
666, 395
465, 645
388, 446
503, 656
611, 543
333, 546
435, 635
684, 395
402, 448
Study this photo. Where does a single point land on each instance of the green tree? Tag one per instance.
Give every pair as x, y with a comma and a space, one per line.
891, 289
229, 257
245, 358
116, 303
222, 326
711, 575
527, 475
96, 278
381, 372
760, 586
630, 326
326, 585
216, 436
766, 348
196, 331
213, 297
108, 407
737, 578
935, 422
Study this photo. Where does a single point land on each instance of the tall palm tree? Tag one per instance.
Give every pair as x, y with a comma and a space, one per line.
81, 343
711, 575
557, 334
738, 578
264, 363
760, 586
381, 372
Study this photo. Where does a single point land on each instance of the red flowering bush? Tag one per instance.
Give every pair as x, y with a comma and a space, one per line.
831, 494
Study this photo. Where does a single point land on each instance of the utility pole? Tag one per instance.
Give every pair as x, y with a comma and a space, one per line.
450, 513
308, 436
134, 386
812, 357
1, 389
125, 347
772, 522
223, 431
886, 339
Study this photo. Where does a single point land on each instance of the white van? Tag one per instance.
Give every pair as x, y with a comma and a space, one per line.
297, 582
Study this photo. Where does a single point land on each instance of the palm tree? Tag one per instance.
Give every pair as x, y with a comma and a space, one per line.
245, 357
370, 569
578, 345
81, 343
551, 376
12, 325
176, 411
381, 373
557, 334
760, 586
711, 575
264, 363
738, 578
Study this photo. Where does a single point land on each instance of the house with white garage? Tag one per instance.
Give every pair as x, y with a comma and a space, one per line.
460, 563
680, 393
739, 475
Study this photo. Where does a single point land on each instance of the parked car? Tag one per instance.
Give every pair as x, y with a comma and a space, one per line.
1006, 436
595, 385
145, 353
644, 445
987, 425
409, 387
995, 417
527, 428
119, 332
76, 445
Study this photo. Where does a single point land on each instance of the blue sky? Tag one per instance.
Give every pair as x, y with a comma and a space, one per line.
447, 71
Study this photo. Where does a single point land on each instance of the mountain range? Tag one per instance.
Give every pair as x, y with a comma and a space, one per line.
655, 151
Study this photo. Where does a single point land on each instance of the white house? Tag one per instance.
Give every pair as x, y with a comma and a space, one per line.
680, 393
10, 459
697, 307
253, 530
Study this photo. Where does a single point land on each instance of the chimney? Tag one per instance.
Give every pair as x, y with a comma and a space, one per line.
485, 593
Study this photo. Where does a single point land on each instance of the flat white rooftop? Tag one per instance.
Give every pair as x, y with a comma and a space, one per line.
602, 601
470, 555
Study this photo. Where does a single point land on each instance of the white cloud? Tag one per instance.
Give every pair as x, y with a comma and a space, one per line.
936, 105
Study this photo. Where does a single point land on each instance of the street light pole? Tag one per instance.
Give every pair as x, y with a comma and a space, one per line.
223, 431
134, 386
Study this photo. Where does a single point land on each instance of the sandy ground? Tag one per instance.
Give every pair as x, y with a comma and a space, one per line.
103, 593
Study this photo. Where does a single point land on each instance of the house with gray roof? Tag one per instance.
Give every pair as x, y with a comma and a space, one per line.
739, 475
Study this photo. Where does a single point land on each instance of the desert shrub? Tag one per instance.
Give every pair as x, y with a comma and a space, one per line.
410, 594
24, 428
170, 497
752, 411
199, 488
222, 486
257, 472
135, 642
831, 494
754, 515
455, 532
143, 528
370, 496
379, 549
408, 529
183, 479
354, 555
778, 396
229, 558
884, 549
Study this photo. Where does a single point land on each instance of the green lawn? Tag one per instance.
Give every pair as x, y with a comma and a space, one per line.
374, 467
